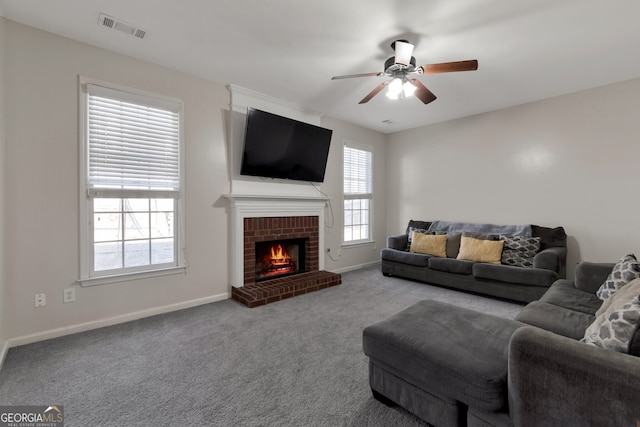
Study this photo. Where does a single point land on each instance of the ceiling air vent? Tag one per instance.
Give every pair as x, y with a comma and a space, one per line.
116, 24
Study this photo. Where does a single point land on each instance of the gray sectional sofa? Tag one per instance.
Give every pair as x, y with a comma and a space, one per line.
518, 283
456, 367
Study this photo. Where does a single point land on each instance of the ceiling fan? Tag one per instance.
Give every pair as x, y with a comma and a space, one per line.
402, 67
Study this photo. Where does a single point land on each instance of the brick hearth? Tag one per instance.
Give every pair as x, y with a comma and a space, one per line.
262, 229
269, 291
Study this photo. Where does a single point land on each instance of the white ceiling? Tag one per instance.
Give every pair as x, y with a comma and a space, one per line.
290, 49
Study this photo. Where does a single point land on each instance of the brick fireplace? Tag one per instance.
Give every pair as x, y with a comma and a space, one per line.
258, 219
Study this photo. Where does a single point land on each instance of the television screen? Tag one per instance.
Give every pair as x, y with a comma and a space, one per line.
279, 147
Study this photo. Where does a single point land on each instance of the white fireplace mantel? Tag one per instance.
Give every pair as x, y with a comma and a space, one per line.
260, 205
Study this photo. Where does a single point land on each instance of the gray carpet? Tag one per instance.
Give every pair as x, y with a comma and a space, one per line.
297, 362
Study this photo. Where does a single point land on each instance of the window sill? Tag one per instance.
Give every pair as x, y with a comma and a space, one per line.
359, 243
116, 278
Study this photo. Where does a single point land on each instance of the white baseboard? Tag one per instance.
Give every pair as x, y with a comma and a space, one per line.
95, 324
355, 267
4, 349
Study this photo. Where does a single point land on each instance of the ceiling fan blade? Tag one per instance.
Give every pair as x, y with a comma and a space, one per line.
374, 92
448, 67
422, 93
350, 76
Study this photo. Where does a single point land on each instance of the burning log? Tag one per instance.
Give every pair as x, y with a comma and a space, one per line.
278, 261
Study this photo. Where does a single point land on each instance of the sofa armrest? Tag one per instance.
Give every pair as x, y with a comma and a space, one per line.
398, 242
557, 381
590, 275
554, 259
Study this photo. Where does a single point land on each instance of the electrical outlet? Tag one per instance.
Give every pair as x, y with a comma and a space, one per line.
68, 295
40, 300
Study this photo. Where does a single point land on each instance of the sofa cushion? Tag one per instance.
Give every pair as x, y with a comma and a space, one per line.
447, 350
480, 236
519, 250
453, 244
416, 224
616, 324
509, 274
435, 245
559, 320
625, 270
450, 265
549, 237
564, 294
478, 250
418, 260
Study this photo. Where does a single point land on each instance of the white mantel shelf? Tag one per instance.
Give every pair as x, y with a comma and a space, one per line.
261, 205
263, 197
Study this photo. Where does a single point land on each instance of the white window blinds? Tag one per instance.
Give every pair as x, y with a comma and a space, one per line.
357, 194
357, 171
133, 141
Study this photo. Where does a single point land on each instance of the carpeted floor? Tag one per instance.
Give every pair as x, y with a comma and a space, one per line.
297, 362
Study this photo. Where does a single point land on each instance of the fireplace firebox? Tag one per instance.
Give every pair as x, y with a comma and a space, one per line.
277, 258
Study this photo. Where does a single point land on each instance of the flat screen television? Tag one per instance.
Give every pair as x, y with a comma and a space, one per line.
280, 147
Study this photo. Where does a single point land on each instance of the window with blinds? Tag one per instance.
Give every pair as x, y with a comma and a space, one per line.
358, 193
132, 145
132, 185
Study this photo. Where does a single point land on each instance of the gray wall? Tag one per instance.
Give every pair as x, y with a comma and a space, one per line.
340, 258
41, 197
569, 161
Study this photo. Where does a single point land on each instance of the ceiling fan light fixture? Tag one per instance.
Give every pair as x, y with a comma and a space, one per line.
408, 88
395, 89
400, 88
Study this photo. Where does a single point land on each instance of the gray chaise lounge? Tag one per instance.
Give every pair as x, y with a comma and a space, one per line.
456, 367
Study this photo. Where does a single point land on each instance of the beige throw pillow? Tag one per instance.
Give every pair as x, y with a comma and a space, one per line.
481, 250
429, 244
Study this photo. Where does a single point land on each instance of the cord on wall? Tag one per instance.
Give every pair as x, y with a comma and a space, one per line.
328, 226
329, 205
331, 256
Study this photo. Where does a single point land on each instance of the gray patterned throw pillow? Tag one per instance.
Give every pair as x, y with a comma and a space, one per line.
625, 270
519, 250
616, 327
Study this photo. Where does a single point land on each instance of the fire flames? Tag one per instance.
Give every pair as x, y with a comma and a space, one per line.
277, 261
279, 255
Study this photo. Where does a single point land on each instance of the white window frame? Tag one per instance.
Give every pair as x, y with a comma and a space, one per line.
358, 196
88, 276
